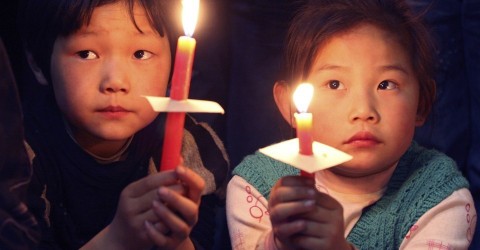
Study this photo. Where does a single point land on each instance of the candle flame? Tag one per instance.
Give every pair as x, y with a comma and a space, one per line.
302, 96
190, 15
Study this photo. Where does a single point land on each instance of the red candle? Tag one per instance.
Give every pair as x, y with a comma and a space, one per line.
182, 74
182, 71
302, 97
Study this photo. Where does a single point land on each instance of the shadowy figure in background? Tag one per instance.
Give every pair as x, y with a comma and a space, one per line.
18, 227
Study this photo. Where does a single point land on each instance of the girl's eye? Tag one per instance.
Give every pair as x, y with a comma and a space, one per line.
142, 54
387, 85
87, 54
335, 84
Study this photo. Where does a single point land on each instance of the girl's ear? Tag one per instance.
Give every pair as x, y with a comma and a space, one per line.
419, 120
37, 72
283, 99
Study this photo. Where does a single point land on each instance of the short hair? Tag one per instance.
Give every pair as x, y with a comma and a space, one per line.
42, 22
319, 20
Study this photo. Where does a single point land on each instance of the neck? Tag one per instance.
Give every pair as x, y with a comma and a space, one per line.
103, 149
95, 146
349, 184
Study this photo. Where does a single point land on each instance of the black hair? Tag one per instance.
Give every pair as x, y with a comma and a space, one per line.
42, 22
319, 20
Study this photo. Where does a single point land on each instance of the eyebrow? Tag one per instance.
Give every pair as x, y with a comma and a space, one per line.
95, 32
384, 68
395, 67
328, 67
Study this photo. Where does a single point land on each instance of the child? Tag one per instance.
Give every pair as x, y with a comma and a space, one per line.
96, 142
370, 63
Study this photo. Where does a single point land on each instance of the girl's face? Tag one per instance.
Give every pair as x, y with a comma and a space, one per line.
366, 98
100, 73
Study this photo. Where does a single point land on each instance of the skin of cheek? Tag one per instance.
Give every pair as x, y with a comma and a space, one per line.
396, 128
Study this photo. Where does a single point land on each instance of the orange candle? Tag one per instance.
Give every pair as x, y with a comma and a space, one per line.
304, 132
182, 74
302, 97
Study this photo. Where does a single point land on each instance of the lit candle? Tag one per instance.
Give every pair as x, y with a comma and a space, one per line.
302, 97
182, 74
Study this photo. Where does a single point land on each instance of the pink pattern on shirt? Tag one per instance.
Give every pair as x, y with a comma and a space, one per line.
255, 211
437, 244
411, 231
239, 240
471, 220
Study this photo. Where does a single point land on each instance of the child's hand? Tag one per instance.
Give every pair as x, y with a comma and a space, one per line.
177, 211
303, 218
127, 230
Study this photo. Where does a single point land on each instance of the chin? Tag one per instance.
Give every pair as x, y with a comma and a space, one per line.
114, 135
117, 137
356, 171
348, 172
117, 131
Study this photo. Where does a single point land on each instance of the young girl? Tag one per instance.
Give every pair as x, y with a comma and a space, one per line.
370, 63
95, 141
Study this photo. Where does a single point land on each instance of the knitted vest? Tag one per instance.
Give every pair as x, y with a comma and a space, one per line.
422, 179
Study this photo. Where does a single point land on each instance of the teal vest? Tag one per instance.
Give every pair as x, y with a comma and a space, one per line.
422, 179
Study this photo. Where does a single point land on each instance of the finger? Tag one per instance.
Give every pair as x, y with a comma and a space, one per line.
301, 241
160, 227
193, 181
178, 188
151, 182
284, 194
148, 215
138, 196
324, 215
143, 203
296, 181
175, 224
284, 211
183, 206
158, 238
322, 230
130, 208
286, 230
324, 224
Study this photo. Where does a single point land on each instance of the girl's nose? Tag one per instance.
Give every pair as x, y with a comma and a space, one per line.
364, 108
115, 79
115, 87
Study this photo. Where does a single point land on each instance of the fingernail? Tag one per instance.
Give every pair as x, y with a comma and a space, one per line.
300, 224
163, 191
181, 169
148, 224
309, 203
156, 204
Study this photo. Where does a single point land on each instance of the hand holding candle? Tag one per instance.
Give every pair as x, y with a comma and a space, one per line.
302, 97
182, 74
